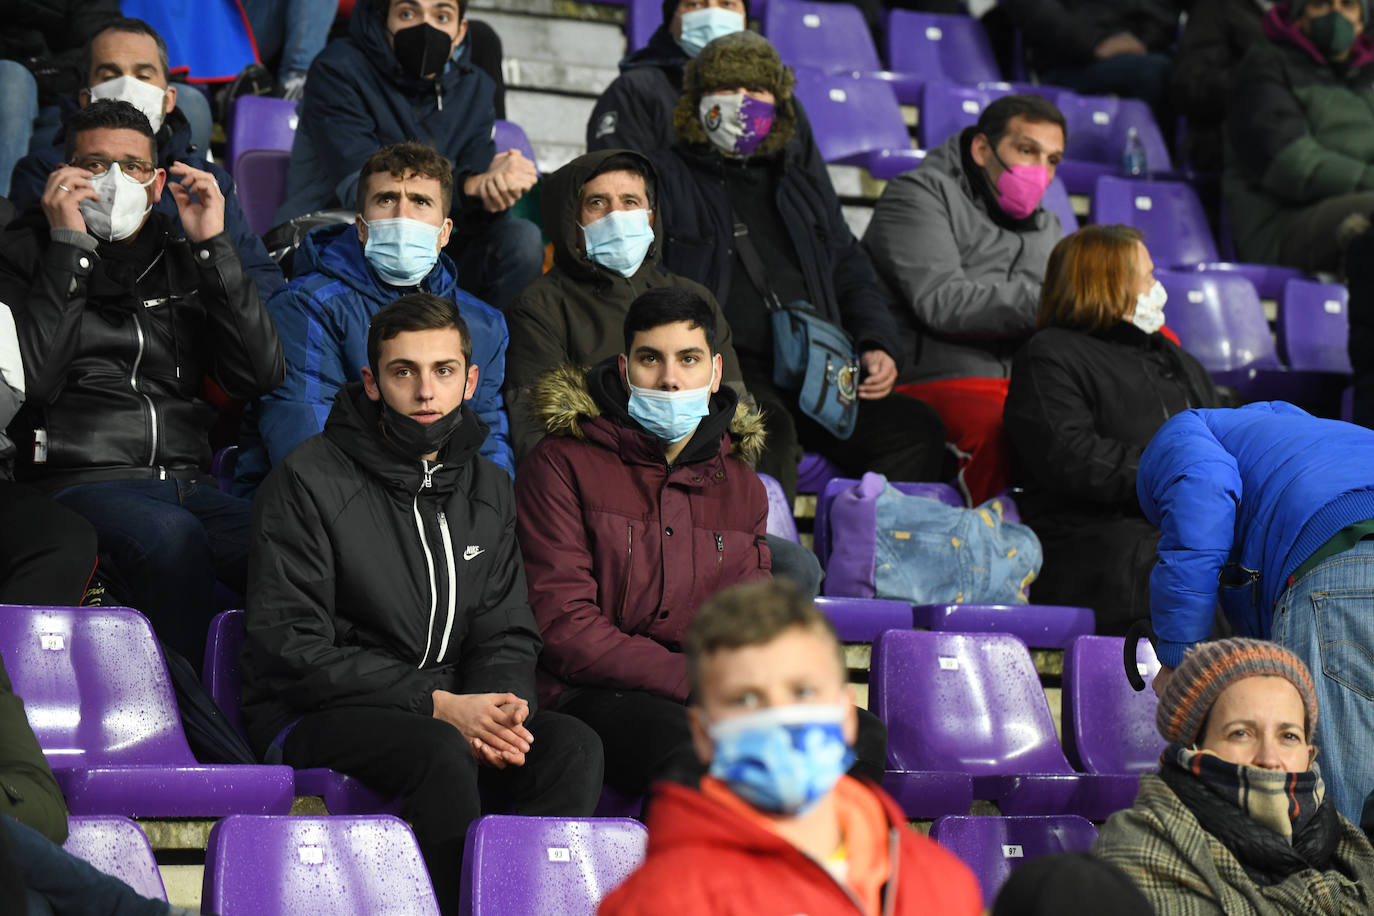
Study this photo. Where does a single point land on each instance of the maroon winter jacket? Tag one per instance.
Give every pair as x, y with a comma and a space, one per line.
621, 549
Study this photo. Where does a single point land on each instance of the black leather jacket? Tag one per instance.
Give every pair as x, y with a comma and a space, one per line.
117, 344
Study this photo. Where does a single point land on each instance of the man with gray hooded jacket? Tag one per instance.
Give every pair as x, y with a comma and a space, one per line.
962, 243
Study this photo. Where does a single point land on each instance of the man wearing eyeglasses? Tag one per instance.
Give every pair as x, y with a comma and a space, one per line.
120, 320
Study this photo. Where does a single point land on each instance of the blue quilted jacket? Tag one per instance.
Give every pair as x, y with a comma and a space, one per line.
1242, 498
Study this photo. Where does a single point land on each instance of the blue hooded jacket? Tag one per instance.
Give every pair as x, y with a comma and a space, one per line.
1252, 493
322, 318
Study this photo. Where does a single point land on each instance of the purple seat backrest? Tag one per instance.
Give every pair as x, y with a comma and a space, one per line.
222, 466
965, 702
1219, 319
117, 847
98, 676
1108, 726
260, 122
940, 47
1099, 125
824, 537
814, 471
220, 673
994, 846
781, 522
1057, 201
261, 180
947, 109
642, 18
851, 116
509, 135
342, 865
1314, 326
547, 864
827, 36
1167, 212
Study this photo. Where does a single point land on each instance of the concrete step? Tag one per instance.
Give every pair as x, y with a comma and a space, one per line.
549, 118
526, 73
553, 156
568, 9
558, 40
857, 217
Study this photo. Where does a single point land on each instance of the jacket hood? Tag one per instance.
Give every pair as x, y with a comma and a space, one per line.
662, 51
335, 251
1278, 28
565, 399
560, 200
354, 426
369, 33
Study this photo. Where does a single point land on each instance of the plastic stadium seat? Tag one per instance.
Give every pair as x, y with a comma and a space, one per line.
1314, 326
934, 46
1098, 127
857, 122
342, 794
259, 122
209, 39
972, 703
315, 866
1044, 626
509, 135
1056, 200
1167, 212
832, 37
515, 865
101, 705
642, 18
814, 471
116, 846
781, 523
994, 846
261, 180
222, 466
1108, 726
947, 108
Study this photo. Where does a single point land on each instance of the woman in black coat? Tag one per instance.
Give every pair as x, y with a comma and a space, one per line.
1087, 393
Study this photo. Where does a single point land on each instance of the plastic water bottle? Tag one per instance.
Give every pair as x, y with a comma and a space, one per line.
1133, 162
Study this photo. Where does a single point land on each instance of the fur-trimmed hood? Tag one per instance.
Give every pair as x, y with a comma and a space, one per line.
566, 398
744, 59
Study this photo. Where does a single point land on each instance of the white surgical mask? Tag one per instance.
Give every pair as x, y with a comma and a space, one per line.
144, 96
122, 205
619, 240
1149, 309
701, 27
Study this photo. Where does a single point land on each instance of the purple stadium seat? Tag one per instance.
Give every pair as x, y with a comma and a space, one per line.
1108, 726
223, 464
1098, 126
117, 847
509, 135
994, 846
315, 866
947, 108
547, 864
1167, 212
934, 46
1056, 200
1269, 279
259, 122
856, 122
101, 704
814, 471
342, 794
780, 520
1044, 626
262, 186
834, 38
642, 17
1314, 326
972, 703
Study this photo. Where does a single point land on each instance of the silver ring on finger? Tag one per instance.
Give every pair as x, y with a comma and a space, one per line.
62, 187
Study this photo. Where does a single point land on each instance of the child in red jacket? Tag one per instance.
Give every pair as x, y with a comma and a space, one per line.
776, 827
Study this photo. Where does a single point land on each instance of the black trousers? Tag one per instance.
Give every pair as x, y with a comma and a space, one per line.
427, 763
899, 437
1359, 271
47, 551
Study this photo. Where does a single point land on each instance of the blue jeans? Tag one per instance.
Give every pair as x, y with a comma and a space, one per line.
1327, 619
297, 29
163, 544
18, 110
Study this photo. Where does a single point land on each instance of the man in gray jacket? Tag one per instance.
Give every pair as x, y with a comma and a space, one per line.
962, 242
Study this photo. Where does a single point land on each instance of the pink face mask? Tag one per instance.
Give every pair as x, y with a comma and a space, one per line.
1020, 187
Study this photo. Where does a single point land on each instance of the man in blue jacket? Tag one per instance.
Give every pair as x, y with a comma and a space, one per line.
404, 73
344, 275
1269, 511
127, 60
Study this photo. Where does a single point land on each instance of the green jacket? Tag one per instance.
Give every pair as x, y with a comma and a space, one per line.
1185, 871
28, 791
1299, 131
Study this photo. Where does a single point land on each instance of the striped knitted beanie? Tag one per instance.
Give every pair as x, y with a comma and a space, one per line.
1210, 667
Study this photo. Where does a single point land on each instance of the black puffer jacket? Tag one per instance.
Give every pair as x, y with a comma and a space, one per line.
1063, 33
117, 344
376, 579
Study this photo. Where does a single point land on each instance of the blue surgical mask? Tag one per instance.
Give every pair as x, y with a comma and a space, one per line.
402, 251
669, 415
619, 240
701, 27
784, 759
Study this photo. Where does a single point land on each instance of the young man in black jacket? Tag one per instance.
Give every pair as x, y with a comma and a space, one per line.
120, 320
389, 634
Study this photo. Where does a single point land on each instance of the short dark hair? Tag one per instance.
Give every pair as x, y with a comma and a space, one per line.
668, 304
626, 162
111, 114
401, 159
383, 7
752, 614
994, 120
415, 312
137, 27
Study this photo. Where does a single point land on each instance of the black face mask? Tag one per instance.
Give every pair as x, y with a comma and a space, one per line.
412, 438
421, 49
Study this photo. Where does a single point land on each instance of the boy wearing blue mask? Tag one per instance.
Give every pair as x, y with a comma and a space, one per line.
776, 826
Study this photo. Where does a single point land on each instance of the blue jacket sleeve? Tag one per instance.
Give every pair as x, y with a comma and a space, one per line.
487, 401
316, 368
1190, 487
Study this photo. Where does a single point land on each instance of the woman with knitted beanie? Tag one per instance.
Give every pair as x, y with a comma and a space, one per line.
1237, 821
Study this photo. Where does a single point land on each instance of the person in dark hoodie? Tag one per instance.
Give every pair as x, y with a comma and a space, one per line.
405, 73
756, 173
388, 634
127, 60
344, 275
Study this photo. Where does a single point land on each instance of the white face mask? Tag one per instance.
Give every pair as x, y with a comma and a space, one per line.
146, 97
1149, 309
123, 204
